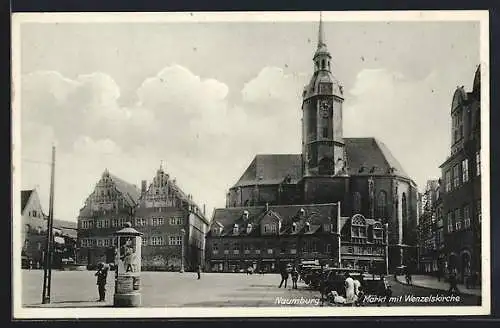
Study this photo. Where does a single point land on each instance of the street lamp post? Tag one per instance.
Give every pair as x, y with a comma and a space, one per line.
182, 250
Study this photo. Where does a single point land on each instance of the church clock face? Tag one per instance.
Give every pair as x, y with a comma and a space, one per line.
324, 107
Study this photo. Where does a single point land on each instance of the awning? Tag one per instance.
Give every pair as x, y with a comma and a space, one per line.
59, 240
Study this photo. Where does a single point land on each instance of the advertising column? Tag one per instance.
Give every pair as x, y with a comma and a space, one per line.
128, 268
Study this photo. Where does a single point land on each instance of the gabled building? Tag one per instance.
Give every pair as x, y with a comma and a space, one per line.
173, 225
461, 189
34, 234
267, 237
360, 173
111, 204
170, 221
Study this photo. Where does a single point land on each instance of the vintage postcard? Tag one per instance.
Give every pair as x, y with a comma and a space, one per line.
239, 164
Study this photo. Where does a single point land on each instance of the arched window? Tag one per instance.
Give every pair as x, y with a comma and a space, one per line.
382, 204
356, 202
323, 64
404, 208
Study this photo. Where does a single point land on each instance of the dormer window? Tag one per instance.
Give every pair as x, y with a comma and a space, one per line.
302, 212
245, 215
308, 227
235, 229
294, 227
249, 228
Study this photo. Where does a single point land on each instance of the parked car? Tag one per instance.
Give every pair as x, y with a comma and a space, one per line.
401, 270
311, 275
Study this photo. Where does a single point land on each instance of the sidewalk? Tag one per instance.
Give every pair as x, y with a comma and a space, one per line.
434, 283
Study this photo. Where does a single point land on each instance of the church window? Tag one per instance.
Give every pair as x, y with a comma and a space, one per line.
323, 64
404, 208
325, 132
382, 204
357, 202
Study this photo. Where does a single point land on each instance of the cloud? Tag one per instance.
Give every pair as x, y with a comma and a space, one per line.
407, 115
205, 141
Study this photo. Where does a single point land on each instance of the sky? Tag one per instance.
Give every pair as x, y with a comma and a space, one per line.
204, 98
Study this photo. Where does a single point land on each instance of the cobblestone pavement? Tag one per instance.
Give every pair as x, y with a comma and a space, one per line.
173, 289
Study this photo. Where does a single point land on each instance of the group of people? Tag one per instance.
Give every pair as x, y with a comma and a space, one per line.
286, 272
353, 292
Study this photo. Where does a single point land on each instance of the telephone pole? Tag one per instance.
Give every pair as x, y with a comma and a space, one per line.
47, 270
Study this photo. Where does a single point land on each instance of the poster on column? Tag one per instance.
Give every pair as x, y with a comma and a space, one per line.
129, 261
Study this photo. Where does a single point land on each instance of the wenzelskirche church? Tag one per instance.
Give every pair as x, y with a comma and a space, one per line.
343, 201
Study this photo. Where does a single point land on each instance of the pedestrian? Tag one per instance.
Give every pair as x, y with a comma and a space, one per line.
198, 271
453, 283
439, 273
357, 287
388, 294
408, 276
284, 276
30, 265
295, 277
102, 275
349, 289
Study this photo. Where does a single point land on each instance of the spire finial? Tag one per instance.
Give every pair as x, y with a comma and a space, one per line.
161, 165
321, 36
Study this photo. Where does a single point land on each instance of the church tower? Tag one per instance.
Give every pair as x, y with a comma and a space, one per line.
322, 143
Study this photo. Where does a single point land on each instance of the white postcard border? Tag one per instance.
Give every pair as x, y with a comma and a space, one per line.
20, 312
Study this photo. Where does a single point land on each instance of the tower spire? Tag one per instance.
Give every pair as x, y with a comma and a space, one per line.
321, 35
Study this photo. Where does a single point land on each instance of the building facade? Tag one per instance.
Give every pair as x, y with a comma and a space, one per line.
173, 225
34, 234
461, 190
430, 229
268, 237
360, 173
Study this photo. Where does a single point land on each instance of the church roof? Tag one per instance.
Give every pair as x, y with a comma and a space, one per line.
365, 156
272, 169
371, 153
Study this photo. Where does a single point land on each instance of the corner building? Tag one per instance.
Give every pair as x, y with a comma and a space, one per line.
360, 173
461, 190
173, 225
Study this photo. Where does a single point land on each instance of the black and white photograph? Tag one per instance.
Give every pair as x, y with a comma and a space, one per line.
250, 164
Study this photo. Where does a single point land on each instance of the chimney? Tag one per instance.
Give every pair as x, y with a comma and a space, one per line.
204, 209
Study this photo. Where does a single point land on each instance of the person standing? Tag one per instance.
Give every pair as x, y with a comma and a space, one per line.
102, 275
284, 276
295, 277
453, 283
349, 289
357, 287
198, 271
